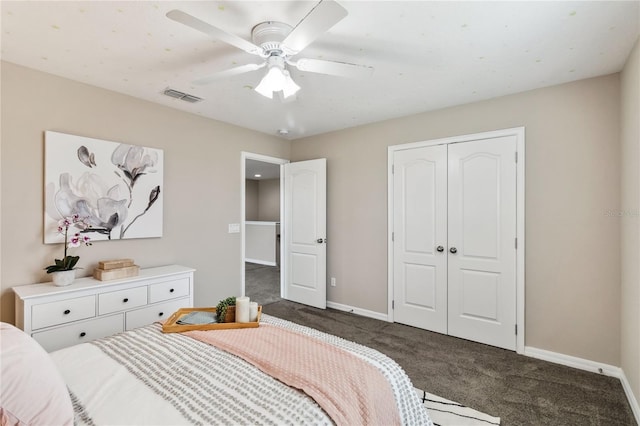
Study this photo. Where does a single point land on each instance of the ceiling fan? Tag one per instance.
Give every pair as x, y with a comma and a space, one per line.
277, 43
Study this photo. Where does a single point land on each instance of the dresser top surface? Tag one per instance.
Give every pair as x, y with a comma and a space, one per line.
48, 288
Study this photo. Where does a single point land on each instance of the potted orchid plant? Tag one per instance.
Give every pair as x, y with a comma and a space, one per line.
63, 270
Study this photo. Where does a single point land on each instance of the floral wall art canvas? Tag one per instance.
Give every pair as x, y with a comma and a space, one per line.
115, 187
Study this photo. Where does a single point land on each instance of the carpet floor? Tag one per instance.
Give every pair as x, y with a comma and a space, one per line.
262, 283
501, 383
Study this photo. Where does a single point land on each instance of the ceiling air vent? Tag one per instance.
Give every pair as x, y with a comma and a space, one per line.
181, 95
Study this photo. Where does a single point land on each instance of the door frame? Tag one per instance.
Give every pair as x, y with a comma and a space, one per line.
519, 133
244, 156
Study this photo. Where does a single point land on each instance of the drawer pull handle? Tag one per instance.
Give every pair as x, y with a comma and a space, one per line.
125, 300
83, 334
161, 314
67, 312
171, 291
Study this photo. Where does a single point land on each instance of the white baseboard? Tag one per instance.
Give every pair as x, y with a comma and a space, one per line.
635, 406
588, 365
358, 311
572, 361
260, 262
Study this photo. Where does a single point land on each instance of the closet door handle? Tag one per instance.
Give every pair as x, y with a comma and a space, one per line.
453, 250
440, 249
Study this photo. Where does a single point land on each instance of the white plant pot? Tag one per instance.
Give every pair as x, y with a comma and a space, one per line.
62, 278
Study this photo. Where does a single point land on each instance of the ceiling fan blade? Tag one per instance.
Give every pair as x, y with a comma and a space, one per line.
228, 73
214, 32
341, 69
323, 16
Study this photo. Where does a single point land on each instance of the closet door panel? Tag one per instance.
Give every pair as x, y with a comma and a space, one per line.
420, 216
482, 232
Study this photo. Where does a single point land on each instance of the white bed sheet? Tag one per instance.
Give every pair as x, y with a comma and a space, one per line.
109, 392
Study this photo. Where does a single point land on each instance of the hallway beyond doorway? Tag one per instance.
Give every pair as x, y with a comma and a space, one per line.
262, 283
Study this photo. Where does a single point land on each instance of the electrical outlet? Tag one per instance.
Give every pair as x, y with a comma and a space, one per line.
333, 281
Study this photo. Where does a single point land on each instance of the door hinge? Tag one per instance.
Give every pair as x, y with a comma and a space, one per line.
516, 156
516, 329
393, 304
516, 243
393, 236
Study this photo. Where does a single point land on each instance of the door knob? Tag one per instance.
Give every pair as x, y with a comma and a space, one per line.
453, 250
440, 249
321, 240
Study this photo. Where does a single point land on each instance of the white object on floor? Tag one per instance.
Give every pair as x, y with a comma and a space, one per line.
449, 413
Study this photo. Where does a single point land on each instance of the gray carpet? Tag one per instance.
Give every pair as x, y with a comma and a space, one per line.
519, 389
262, 283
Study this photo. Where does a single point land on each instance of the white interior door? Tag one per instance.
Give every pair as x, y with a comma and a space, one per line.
420, 237
305, 244
482, 238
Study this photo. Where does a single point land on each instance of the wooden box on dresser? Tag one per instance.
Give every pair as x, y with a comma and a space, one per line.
88, 309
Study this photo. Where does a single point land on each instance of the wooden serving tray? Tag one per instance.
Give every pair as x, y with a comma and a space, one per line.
170, 325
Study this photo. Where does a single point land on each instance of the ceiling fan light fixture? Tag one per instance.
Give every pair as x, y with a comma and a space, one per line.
289, 87
273, 81
277, 79
276, 42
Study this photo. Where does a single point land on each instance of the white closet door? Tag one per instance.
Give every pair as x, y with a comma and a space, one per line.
420, 217
482, 232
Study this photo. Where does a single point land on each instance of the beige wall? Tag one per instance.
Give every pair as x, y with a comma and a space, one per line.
262, 200
251, 200
572, 178
630, 221
201, 194
269, 200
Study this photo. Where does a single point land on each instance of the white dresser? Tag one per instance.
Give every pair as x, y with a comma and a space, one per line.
88, 309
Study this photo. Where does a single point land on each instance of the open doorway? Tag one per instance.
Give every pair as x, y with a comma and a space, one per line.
262, 212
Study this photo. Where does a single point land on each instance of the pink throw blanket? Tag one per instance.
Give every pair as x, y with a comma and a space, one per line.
349, 389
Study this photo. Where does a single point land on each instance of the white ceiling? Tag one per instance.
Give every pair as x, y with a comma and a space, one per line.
265, 170
427, 55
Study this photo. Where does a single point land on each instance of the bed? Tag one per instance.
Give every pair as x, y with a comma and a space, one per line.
148, 377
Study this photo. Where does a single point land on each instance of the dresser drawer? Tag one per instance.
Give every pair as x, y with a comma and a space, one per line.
148, 315
85, 331
167, 290
63, 311
121, 300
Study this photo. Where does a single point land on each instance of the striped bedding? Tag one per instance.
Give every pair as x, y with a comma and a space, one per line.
145, 377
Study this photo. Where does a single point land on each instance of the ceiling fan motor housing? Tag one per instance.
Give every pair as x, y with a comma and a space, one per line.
269, 36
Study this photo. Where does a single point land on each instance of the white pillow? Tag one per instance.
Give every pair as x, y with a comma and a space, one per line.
32, 391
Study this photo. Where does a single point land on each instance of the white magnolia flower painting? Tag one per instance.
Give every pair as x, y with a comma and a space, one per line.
116, 188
